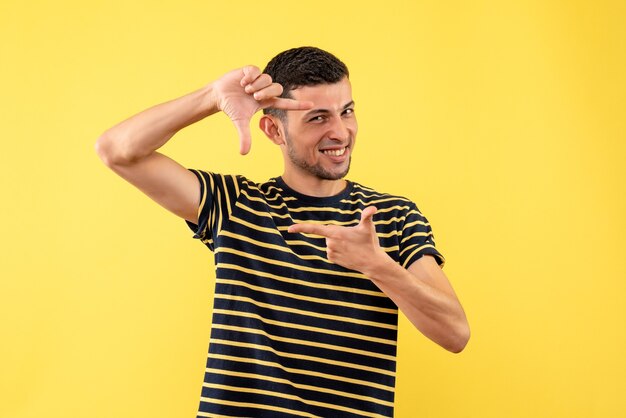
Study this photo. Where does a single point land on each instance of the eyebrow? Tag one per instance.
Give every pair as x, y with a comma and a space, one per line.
323, 111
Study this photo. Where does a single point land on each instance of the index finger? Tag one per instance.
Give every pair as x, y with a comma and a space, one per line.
309, 228
290, 104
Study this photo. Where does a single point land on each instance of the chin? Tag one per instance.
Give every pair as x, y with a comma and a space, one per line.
319, 171
327, 175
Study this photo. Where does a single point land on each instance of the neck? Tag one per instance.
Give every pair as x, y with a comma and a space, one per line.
313, 186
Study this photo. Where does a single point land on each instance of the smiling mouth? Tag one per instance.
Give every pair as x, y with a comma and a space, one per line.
335, 152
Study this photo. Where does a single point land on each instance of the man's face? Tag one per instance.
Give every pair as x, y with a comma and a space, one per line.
320, 141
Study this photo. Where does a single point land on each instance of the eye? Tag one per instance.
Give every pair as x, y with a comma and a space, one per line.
318, 118
349, 111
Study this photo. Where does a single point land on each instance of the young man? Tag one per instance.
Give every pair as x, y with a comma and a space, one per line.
311, 268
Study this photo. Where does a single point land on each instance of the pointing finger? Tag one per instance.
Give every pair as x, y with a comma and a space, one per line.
290, 104
309, 228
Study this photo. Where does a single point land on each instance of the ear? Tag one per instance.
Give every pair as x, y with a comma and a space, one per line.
272, 127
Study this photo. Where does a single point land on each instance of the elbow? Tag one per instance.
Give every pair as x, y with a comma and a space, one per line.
102, 150
460, 339
109, 151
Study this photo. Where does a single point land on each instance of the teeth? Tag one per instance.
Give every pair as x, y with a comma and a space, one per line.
336, 152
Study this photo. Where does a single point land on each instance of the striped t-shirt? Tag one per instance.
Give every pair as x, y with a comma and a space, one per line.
293, 334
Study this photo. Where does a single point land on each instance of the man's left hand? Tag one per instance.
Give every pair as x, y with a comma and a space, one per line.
355, 247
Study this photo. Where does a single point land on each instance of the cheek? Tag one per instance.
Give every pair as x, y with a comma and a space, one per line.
305, 150
354, 127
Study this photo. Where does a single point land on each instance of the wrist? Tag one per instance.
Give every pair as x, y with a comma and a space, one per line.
208, 100
380, 267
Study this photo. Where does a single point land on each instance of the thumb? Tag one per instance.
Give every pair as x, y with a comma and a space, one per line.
243, 128
366, 216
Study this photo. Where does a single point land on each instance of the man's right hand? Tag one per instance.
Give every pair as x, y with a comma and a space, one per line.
243, 92
129, 148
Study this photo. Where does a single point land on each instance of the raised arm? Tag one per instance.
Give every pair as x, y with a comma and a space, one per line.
130, 147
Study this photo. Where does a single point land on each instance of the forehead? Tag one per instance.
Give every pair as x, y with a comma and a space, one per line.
327, 96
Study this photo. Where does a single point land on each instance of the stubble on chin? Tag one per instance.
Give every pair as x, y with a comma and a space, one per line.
317, 170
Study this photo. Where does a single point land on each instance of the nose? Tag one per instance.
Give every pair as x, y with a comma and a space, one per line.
339, 129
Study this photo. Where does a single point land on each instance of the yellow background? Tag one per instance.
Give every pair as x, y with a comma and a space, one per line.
504, 121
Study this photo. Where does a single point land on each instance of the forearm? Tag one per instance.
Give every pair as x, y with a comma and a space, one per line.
435, 312
142, 134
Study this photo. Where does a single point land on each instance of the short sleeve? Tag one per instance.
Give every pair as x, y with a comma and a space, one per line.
218, 195
417, 239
